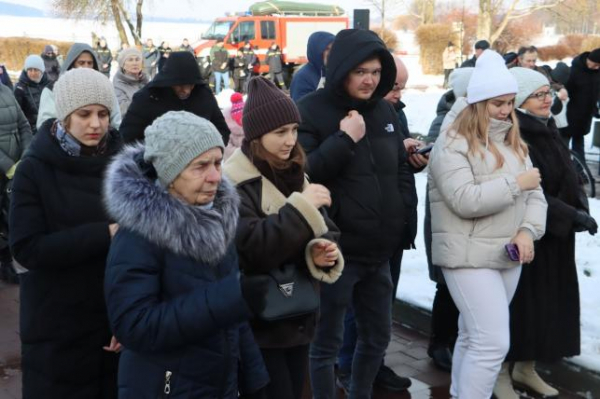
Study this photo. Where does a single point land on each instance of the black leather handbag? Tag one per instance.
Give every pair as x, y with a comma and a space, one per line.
290, 293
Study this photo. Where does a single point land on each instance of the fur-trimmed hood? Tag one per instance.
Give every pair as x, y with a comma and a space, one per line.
136, 202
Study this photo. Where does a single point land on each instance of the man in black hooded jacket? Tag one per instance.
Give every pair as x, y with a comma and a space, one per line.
351, 136
178, 87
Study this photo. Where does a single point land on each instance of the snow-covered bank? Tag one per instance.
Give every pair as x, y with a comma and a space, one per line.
61, 29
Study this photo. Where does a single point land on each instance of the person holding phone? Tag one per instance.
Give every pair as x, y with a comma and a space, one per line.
484, 194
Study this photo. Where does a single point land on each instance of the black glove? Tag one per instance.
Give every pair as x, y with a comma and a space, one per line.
584, 222
254, 291
260, 394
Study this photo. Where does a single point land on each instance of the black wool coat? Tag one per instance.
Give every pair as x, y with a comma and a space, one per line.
545, 310
59, 232
584, 92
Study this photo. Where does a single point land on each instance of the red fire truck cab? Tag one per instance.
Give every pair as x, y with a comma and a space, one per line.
290, 32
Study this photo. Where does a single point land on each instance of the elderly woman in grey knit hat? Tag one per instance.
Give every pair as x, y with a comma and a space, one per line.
61, 234
173, 291
129, 78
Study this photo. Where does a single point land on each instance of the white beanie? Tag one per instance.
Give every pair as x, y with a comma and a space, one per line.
490, 78
459, 80
34, 61
80, 87
528, 81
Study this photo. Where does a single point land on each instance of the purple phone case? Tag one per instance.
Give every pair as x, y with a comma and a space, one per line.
512, 251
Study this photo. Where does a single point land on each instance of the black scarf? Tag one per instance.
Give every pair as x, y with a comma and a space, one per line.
287, 180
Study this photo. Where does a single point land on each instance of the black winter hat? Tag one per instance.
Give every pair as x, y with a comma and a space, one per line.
180, 69
267, 108
595, 55
482, 45
560, 73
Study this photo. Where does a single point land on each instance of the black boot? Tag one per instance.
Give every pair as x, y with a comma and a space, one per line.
390, 381
441, 356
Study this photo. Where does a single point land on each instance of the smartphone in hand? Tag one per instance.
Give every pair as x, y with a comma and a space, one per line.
512, 251
425, 150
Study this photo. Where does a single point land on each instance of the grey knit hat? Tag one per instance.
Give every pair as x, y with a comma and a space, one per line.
126, 53
528, 81
175, 139
80, 87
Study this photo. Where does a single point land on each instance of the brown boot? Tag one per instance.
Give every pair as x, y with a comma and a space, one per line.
503, 388
524, 374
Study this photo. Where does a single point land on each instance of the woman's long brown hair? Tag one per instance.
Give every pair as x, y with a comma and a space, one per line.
473, 124
297, 156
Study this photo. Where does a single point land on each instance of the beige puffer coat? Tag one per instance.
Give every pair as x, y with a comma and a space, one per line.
475, 209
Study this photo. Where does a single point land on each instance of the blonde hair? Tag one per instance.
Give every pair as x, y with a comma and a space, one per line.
473, 124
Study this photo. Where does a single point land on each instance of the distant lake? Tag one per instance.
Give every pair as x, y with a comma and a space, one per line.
61, 29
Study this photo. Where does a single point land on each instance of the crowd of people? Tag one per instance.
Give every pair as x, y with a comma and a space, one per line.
168, 247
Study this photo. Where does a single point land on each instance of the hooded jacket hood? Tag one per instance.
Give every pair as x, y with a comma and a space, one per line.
74, 52
180, 69
317, 43
137, 203
350, 48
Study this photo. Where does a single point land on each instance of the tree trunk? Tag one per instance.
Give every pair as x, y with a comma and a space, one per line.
139, 18
134, 34
382, 15
428, 11
116, 10
484, 21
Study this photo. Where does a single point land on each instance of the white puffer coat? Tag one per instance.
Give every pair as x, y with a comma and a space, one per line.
475, 208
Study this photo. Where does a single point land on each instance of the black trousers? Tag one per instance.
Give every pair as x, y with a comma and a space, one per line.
287, 370
444, 318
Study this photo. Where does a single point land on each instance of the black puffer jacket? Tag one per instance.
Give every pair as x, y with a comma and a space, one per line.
369, 180
584, 91
158, 97
28, 94
59, 232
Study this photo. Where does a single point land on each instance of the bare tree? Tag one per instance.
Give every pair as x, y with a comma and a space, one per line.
490, 10
105, 10
384, 7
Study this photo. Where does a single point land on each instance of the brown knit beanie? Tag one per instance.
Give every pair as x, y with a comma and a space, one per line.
267, 108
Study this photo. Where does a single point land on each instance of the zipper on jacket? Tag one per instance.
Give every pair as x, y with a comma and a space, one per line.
167, 389
226, 362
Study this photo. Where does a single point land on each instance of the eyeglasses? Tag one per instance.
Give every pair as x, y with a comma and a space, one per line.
541, 96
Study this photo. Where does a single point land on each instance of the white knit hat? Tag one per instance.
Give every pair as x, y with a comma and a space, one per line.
80, 87
174, 139
34, 61
528, 81
490, 78
459, 80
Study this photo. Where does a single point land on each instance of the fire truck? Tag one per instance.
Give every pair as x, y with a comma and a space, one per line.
286, 23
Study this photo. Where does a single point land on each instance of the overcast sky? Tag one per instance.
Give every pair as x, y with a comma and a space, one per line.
199, 9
